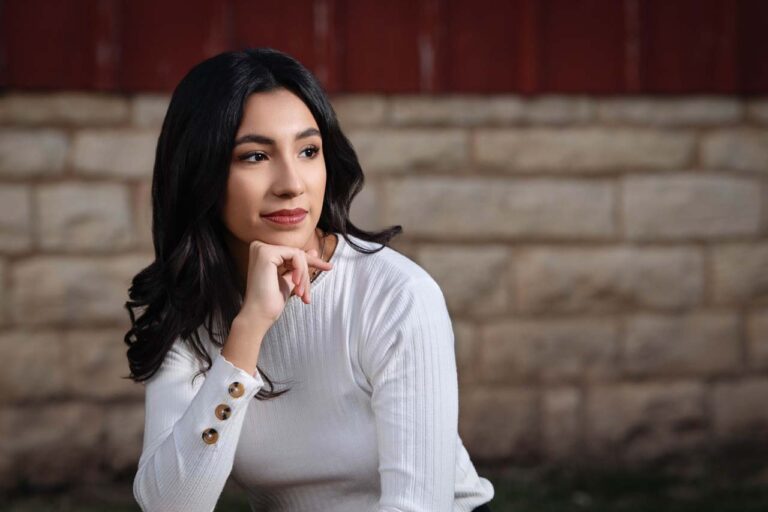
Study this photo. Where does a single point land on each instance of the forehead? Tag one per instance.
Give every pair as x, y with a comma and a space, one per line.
278, 112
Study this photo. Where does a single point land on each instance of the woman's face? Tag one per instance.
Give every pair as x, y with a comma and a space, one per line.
277, 163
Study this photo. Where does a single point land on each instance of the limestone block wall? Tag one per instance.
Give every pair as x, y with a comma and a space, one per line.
604, 259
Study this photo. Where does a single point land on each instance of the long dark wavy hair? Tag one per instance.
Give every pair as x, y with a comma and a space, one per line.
193, 280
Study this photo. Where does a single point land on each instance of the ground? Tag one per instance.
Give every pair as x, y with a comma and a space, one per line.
728, 482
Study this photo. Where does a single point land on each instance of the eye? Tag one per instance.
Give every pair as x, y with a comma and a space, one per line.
247, 158
314, 149
260, 157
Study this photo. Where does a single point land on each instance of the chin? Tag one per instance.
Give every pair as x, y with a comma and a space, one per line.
291, 237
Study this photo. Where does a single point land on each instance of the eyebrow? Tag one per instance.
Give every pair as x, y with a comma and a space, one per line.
263, 139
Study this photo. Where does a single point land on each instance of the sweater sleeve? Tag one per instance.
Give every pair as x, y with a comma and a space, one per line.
191, 430
410, 363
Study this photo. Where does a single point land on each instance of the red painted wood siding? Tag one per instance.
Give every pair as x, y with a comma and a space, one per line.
397, 46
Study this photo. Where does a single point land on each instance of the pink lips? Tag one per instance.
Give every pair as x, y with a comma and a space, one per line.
287, 216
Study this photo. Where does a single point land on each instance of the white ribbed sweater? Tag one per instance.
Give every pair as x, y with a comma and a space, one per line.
370, 422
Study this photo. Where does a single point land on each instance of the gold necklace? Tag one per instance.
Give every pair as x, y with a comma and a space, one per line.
322, 253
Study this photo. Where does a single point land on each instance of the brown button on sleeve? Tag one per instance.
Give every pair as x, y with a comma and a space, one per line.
223, 411
210, 435
236, 390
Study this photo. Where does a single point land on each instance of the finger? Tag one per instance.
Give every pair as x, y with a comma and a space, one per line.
316, 261
289, 263
301, 285
309, 289
299, 262
296, 278
312, 253
307, 283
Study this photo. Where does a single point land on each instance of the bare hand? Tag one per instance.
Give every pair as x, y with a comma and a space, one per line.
275, 272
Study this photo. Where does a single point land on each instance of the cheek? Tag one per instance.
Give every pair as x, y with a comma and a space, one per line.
242, 202
318, 188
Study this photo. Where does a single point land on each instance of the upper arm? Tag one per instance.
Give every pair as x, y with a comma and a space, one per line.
410, 361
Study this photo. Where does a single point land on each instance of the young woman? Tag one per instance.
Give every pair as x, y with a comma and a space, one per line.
256, 261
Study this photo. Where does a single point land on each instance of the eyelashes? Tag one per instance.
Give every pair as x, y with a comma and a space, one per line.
248, 157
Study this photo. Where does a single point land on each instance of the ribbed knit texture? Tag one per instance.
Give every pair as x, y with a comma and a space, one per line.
370, 422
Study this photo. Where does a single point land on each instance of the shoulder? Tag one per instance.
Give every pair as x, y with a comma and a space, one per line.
400, 311
388, 291
387, 271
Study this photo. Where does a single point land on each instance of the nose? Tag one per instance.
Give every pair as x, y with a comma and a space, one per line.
288, 179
